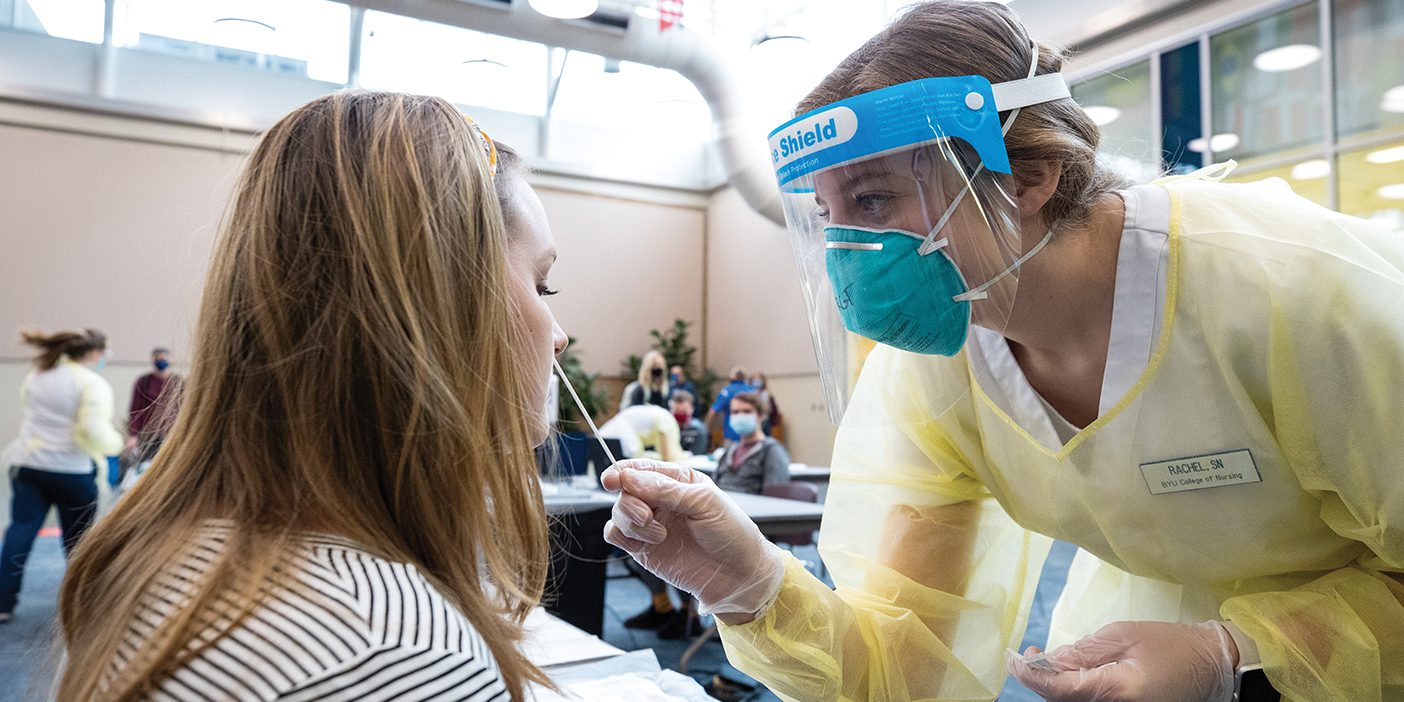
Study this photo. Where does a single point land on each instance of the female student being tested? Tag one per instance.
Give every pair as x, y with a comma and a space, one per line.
347, 507
1194, 382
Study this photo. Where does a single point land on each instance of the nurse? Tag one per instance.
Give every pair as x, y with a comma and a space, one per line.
1195, 382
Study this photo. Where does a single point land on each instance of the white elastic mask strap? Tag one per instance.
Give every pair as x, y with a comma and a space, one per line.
979, 292
1011, 95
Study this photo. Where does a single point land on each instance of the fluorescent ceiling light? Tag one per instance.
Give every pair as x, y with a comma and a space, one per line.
1392, 192
1102, 115
1311, 170
244, 22
1287, 58
1219, 143
565, 9
1389, 155
1393, 99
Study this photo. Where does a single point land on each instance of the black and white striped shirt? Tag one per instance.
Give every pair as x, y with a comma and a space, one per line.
357, 627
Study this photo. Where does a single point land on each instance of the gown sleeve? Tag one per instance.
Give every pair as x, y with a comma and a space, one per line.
1337, 359
933, 579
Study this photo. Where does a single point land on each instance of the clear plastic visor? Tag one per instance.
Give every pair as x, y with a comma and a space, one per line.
904, 249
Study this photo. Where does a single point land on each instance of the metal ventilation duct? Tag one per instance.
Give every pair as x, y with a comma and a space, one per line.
688, 53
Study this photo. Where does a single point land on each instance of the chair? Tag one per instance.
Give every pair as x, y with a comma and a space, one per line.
597, 455
804, 492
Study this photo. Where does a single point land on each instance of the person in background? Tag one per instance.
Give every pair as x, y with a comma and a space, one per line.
151, 413
755, 461
651, 388
678, 380
769, 409
642, 429
721, 408
693, 433
67, 429
302, 532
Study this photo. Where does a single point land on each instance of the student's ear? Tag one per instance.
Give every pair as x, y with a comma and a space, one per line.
1037, 181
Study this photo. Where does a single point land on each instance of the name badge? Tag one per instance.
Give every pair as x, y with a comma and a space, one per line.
1200, 472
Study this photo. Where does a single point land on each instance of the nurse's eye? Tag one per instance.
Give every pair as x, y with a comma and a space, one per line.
545, 291
873, 203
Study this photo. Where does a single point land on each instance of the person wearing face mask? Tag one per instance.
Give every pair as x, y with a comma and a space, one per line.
152, 410
721, 407
773, 418
692, 432
67, 429
1192, 381
678, 380
754, 461
651, 387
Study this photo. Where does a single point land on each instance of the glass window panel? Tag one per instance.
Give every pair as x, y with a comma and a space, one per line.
1308, 177
631, 97
1267, 93
1369, 44
1181, 121
308, 38
1120, 103
80, 20
1372, 183
460, 65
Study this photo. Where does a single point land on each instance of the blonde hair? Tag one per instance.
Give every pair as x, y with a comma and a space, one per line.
974, 37
653, 359
354, 375
53, 347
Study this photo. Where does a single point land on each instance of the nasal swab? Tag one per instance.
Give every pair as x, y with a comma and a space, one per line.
581, 406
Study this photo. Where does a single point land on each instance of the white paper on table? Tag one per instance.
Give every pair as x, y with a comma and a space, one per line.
659, 686
550, 641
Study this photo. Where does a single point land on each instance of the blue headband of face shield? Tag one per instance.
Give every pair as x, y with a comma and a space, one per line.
909, 298
904, 116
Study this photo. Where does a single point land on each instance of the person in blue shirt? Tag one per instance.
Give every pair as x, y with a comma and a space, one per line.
721, 408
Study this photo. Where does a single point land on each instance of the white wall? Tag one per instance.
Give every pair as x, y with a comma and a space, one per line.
116, 233
625, 267
107, 233
756, 319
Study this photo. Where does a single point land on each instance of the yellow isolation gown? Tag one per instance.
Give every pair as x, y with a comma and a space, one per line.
1253, 473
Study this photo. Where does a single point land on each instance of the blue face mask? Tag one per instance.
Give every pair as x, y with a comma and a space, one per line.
161, 364
101, 364
889, 293
742, 424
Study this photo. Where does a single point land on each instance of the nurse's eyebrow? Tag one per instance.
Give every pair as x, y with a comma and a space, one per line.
854, 181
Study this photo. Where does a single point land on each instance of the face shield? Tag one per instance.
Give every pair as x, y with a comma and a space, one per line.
902, 212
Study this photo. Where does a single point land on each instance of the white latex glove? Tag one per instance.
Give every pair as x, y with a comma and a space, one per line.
1133, 661
676, 523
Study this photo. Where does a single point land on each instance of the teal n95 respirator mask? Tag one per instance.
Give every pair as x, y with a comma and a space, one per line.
902, 213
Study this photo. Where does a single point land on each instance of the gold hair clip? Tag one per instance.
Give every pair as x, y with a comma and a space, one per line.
489, 147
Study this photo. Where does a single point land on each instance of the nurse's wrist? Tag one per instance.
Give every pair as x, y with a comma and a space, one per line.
778, 578
1245, 651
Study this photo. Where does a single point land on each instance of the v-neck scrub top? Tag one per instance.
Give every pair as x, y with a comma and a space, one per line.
1252, 470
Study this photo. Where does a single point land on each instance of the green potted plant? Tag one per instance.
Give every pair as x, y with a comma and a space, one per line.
677, 351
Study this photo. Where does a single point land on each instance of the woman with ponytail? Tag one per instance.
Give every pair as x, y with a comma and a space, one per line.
67, 426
